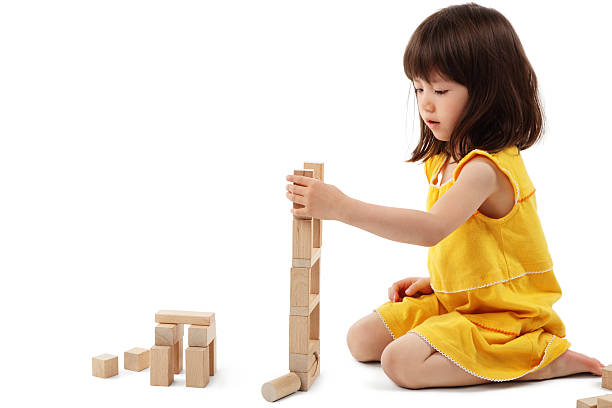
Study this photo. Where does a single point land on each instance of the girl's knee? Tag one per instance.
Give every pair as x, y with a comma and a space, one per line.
367, 338
398, 365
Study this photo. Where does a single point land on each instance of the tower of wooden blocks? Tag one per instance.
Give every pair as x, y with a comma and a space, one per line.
167, 353
304, 347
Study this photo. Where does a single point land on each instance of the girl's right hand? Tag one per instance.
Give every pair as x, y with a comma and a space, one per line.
409, 287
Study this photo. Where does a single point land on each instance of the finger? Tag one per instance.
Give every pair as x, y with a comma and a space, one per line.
409, 291
296, 198
300, 212
294, 188
302, 180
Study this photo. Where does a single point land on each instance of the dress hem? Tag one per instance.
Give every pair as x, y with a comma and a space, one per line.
480, 376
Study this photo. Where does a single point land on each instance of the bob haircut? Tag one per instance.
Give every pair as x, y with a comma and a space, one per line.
478, 48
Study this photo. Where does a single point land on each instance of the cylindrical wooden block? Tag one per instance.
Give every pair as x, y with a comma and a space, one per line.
281, 387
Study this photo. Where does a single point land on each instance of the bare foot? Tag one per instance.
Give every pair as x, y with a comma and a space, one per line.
567, 363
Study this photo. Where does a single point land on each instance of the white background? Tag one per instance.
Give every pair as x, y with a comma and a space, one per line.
143, 154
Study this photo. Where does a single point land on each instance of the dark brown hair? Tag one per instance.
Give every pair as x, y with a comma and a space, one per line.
478, 48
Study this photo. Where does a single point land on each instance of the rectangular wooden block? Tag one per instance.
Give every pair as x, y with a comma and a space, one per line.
305, 310
166, 334
303, 362
604, 401
177, 356
305, 173
315, 275
300, 286
212, 356
606, 377
302, 238
307, 262
314, 322
308, 378
162, 372
184, 317
197, 366
316, 224
136, 359
298, 334
200, 336
105, 365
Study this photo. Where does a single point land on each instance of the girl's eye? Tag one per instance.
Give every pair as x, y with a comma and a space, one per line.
437, 92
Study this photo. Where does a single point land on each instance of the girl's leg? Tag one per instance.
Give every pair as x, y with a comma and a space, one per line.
411, 362
368, 337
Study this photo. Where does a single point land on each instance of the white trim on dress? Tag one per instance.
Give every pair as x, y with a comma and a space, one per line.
488, 284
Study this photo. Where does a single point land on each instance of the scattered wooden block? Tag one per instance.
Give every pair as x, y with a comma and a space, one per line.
166, 334
105, 366
212, 356
197, 366
136, 359
184, 317
606, 377
177, 356
201, 336
162, 372
590, 402
280, 387
605, 401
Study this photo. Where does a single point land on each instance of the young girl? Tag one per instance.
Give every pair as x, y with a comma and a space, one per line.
485, 312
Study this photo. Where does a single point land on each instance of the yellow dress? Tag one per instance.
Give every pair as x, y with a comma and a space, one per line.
494, 287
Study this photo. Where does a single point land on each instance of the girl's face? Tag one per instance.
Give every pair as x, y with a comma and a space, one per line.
441, 101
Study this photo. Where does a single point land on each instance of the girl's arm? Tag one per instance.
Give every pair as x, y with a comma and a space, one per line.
477, 181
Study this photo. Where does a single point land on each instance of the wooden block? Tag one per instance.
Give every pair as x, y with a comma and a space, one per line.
280, 387
315, 275
314, 322
308, 378
307, 262
162, 372
305, 310
197, 366
316, 224
185, 317
200, 336
166, 334
180, 330
298, 334
587, 403
606, 377
212, 356
305, 173
177, 356
303, 362
604, 401
302, 238
105, 365
136, 359
300, 286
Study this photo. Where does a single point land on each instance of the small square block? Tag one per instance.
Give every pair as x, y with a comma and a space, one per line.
136, 359
606, 377
605, 401
105, 365
166, 334
200, 336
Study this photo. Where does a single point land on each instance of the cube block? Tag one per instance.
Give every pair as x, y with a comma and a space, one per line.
136, 359
105, 365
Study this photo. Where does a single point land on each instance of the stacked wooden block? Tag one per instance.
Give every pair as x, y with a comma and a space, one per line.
304, 310
167, 353
304, 347
601, 401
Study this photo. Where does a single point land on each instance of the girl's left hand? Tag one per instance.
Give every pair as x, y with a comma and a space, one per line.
320, 200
